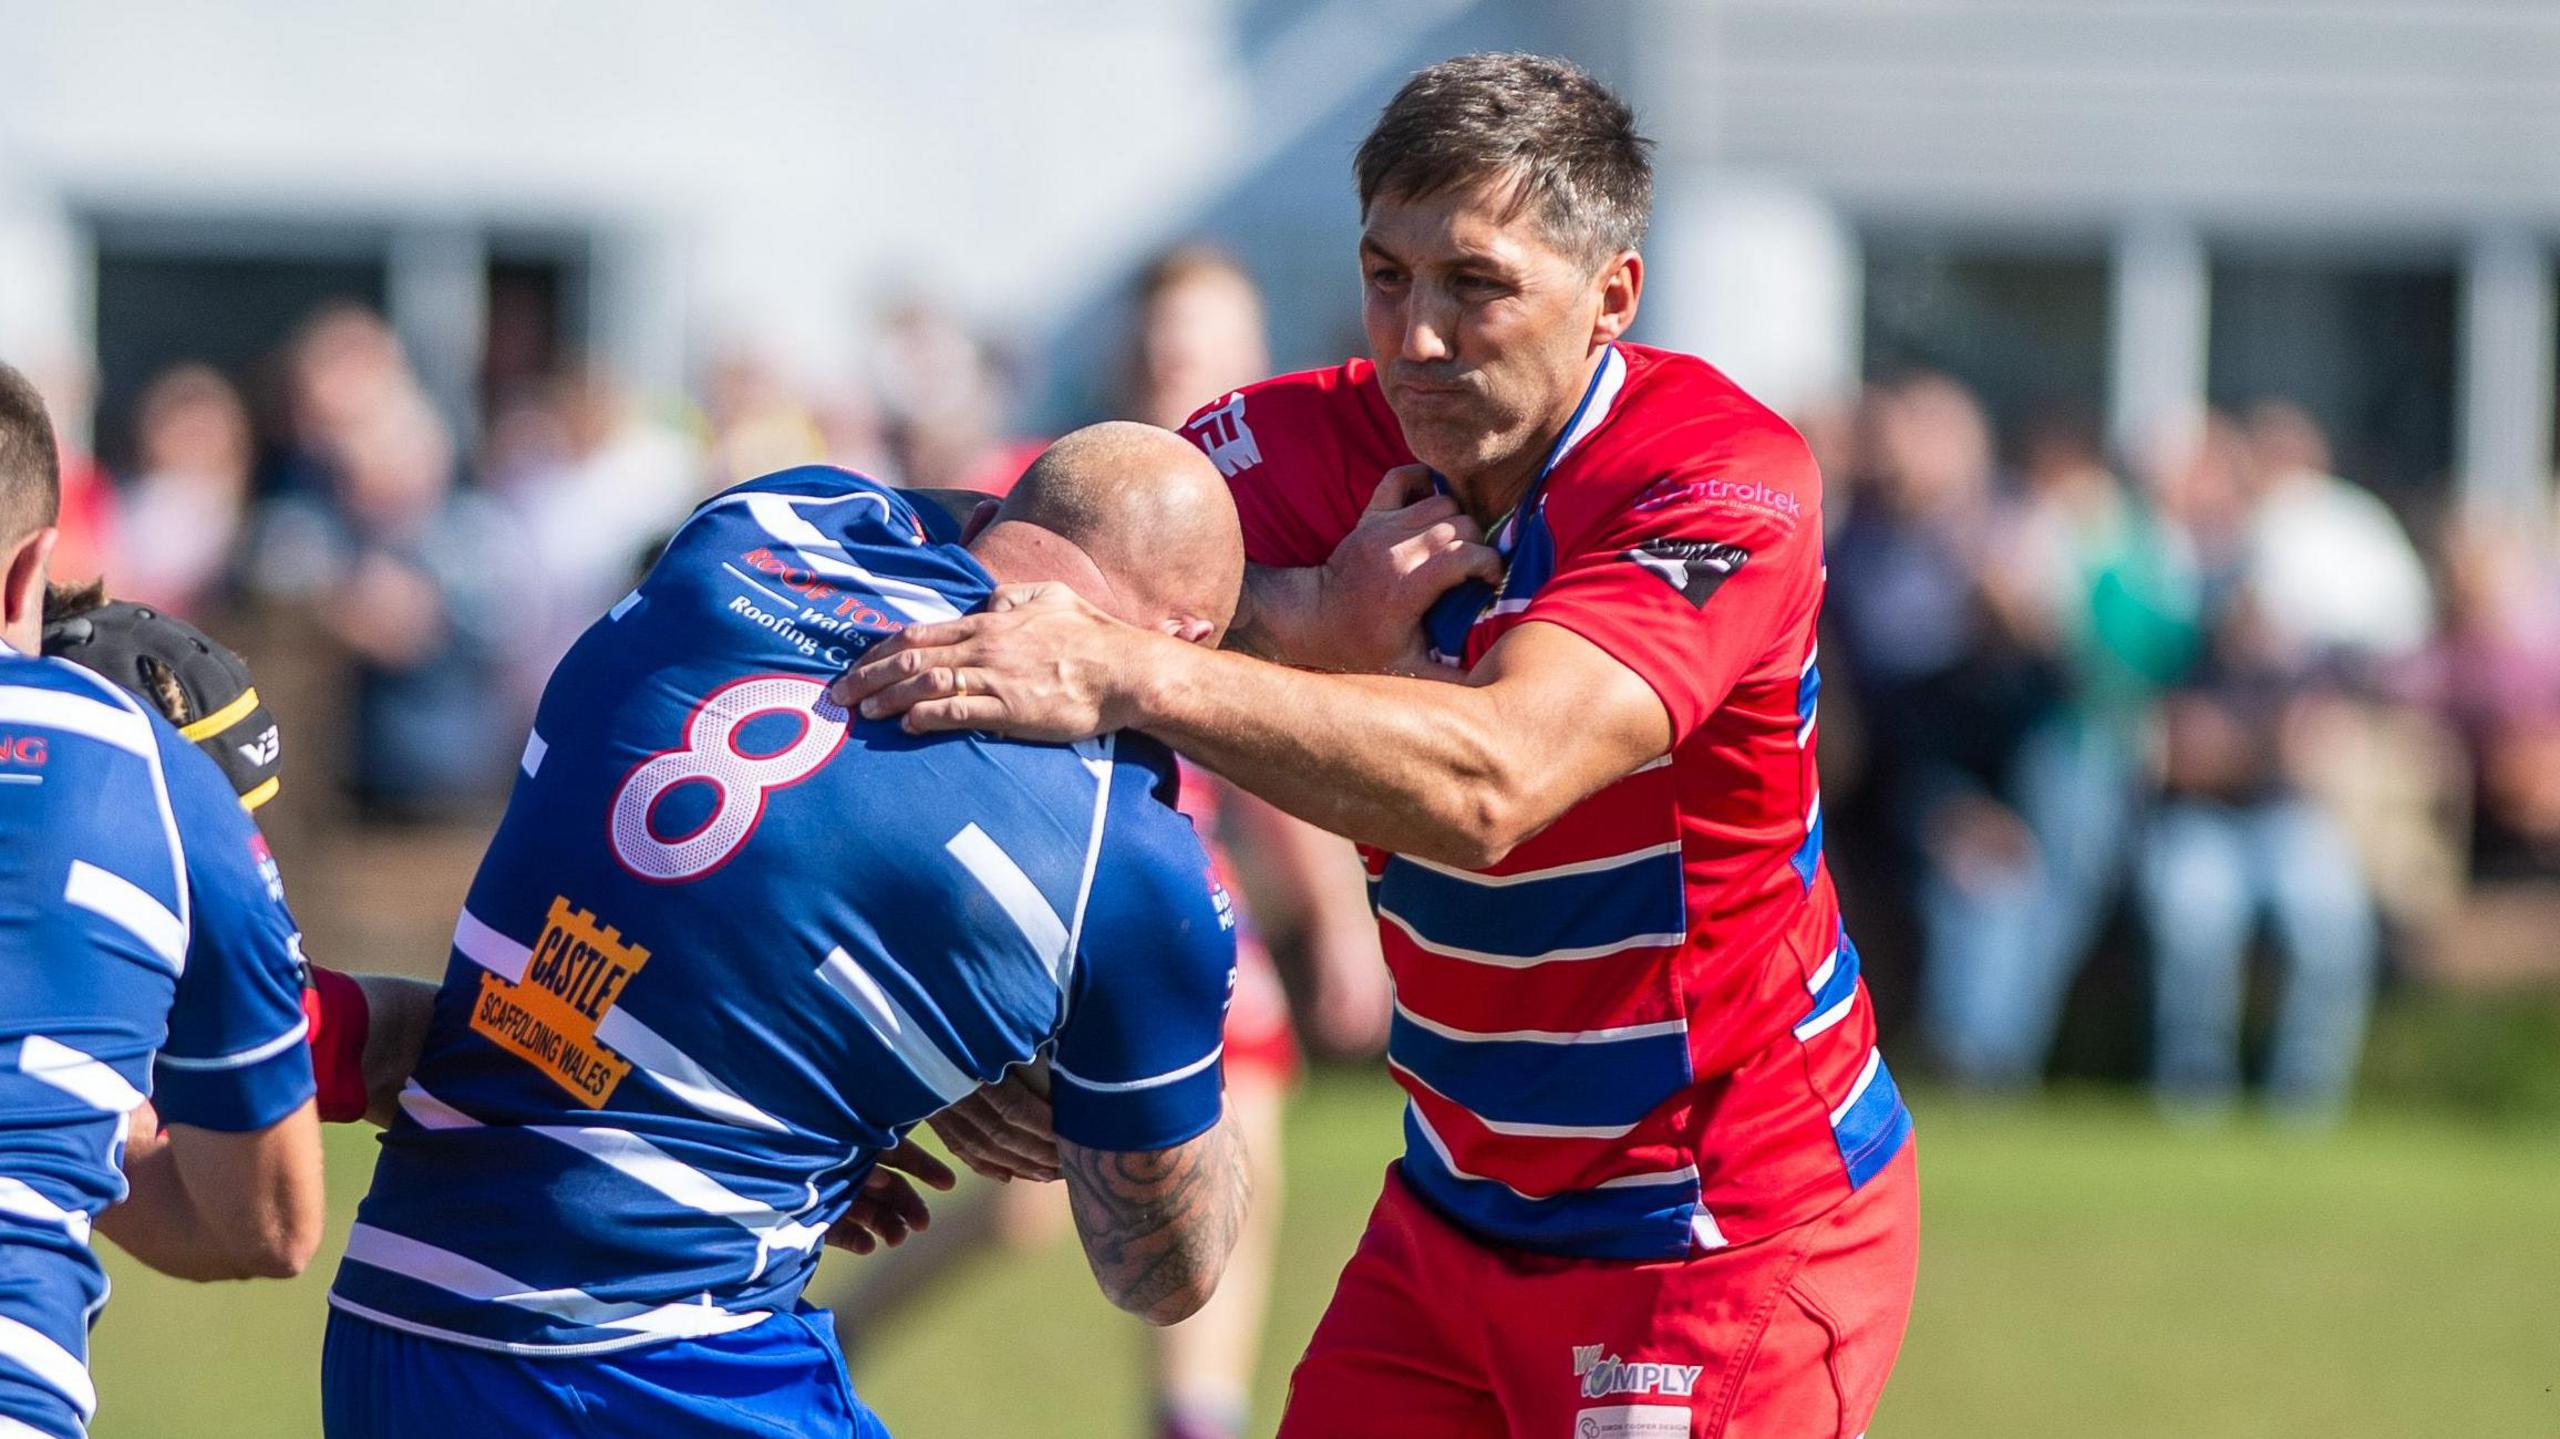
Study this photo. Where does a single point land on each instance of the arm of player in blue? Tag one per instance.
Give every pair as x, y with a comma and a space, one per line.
235, 1058
1137, 1065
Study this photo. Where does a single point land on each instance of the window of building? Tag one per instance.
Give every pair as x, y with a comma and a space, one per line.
2026, 332
2367, 349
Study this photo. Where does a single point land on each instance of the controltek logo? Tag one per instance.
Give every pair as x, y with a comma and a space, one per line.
1671, 490
1604, 1374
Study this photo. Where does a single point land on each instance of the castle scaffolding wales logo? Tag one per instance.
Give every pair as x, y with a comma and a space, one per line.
549, 1017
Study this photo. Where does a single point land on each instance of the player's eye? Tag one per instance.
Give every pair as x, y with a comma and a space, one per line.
1385, 276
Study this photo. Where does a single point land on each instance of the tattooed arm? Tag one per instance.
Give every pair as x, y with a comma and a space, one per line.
1155, 1171
1158, 1224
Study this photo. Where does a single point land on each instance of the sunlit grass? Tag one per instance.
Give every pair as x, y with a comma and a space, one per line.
2087, 1271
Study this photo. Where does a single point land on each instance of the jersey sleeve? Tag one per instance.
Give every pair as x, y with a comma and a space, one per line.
234, 1059
1136, 1066
1697, 577
1287, 469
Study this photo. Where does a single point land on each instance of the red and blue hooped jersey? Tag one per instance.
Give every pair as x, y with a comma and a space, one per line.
1644, 1031
730, 942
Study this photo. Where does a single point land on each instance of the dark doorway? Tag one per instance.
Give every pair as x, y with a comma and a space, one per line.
537, 320
231, 293
2368, 350
2026, 333
158, 306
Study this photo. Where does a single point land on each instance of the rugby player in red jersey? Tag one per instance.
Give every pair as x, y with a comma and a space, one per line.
1656, 1180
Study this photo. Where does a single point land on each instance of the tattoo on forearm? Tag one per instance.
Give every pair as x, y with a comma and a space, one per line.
1157, 1224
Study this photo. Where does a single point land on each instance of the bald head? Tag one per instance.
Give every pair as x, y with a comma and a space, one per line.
1131, 517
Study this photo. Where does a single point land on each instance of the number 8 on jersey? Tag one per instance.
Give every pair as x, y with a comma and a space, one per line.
738, 780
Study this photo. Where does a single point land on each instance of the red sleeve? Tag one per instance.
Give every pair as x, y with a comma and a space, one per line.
1282, 448
339, 1021
1701, 576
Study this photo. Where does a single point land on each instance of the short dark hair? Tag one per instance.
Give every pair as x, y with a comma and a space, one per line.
30, 470
1567, 144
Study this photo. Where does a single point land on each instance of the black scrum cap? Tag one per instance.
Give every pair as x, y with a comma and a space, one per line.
201, 686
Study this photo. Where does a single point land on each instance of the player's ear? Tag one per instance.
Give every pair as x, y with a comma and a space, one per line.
22, 599
1621, 282
979, 518
1190, 629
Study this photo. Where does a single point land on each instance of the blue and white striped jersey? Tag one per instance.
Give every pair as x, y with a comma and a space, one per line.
730, 942
144, 949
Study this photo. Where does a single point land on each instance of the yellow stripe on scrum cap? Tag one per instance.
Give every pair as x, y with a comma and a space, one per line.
261, 794
223, 718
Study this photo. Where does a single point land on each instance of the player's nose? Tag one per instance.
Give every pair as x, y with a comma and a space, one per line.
1427, 333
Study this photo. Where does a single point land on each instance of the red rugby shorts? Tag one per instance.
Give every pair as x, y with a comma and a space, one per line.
1432, 1333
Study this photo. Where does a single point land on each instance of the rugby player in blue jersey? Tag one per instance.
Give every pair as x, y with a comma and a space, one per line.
144, 948
730, 944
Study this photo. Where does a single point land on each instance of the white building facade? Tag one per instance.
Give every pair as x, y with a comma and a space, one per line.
2159, 202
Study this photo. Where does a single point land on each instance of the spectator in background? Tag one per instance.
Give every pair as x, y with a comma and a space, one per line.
2494, 675
184, 517
2077, 570
343, 367
1949, 652
2332, 571
2235, 836
2339, 579
1833, 429
1197, 335
590, 486
946, 395
758, 425
853, 433
414, 578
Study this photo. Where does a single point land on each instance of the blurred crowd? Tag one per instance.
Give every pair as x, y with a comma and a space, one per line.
2216, 691
2222, 693
410, 587
449, 572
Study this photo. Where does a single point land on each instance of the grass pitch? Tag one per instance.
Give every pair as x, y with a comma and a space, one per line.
2086, 1270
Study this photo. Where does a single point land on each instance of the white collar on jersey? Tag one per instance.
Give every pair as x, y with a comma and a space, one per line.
1597, 402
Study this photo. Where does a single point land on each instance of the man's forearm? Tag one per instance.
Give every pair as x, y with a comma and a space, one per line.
206, 1205
158, 1223
1408, 765
401, 1011
1456, 772
1158, 1225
